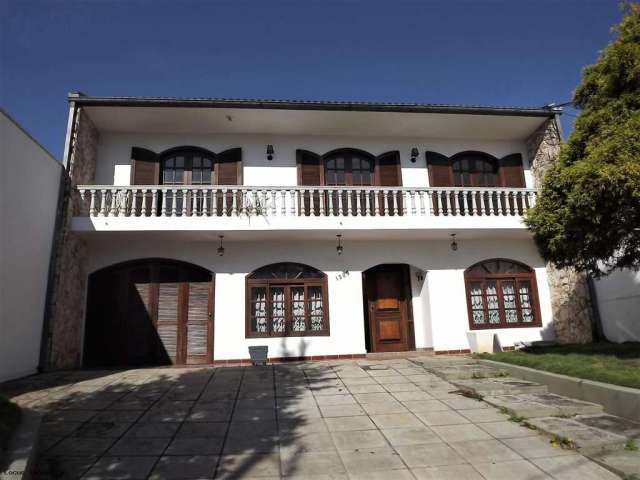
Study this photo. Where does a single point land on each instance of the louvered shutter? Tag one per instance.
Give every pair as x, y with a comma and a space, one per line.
389, 174
310, 172
198, 323
512, 171
229, 168
511, 174
439, 166
145, 170
145, 167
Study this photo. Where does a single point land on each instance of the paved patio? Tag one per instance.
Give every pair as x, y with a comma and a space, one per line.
387, 419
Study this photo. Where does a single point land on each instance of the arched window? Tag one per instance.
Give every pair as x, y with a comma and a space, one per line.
349, 167
286, 299
474, 169
187, 166
501, 294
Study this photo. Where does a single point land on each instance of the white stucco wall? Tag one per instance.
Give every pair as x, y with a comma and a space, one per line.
28, 199
439, 302
114, 153
618, 297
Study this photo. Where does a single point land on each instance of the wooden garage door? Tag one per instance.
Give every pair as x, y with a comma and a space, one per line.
150, 312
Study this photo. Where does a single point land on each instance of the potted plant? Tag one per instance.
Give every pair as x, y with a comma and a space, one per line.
258, 354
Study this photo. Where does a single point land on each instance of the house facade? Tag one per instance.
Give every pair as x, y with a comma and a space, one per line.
195, 228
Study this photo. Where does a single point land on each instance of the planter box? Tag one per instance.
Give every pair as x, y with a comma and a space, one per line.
258, 355
480, 341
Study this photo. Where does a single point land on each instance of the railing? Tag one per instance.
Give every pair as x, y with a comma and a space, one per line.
228, 201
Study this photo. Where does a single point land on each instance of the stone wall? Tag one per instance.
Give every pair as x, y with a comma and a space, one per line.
570, 300
67, 299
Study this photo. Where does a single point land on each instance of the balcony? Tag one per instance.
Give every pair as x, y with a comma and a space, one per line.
220, 208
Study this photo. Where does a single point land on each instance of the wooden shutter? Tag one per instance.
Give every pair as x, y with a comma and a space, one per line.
389, 174
310, 172
229, 166
145, 167
512, 171
440, 173
199, 327
310, 168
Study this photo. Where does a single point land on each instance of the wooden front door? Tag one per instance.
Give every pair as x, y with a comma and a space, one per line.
389, 316
150, 312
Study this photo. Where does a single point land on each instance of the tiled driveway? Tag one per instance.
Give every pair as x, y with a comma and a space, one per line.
348, 419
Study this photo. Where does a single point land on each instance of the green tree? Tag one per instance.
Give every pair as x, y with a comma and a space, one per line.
588, 213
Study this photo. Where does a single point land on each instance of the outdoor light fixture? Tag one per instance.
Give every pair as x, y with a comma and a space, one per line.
269, 152
454, 244
414, 154
339, 248
220, 248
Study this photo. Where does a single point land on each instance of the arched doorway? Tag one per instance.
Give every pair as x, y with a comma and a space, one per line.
149, 312
387, 308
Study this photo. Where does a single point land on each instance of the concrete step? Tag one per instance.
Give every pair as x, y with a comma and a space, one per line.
394, 355
586, 439
535, 405
460, 368
499, 386
624, 463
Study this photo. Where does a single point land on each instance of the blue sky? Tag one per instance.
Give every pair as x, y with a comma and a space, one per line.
516, 52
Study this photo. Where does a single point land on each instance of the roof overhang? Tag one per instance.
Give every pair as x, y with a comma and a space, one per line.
287, 117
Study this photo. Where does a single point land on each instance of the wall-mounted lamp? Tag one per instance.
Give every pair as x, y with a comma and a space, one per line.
414, 154
454, 244
269, 152
220, 248
339, 247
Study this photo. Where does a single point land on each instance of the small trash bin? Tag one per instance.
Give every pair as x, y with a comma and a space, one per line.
258, 354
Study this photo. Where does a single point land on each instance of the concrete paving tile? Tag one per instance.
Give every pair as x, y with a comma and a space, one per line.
121, 468
411, 436
48, 428
371, 460
611, 424
303, 425
199, 415
384, 407
448, 417
311, 463
358, 440
82, 446
366, 388
67, 468
484, 451
237, 444
350, 382
343, 424
128, 446
202, 429
195, 446
401, 387
341, 410
70, 415
396, 420
429, 455
117, 416
411, 395
307, 442
319, 391
103, 429
447, 472
149, 430
397, 474
484, 415
425, 405
536, 447
573, 467
392, 380
460, 433
507, 429
513, 470
253, 428
325, 400
625, 463
250, 415
373, 397
181, 467
462, 403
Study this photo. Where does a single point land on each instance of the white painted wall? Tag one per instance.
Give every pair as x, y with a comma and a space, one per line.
114, 153
439, 302
618, 297
28, 199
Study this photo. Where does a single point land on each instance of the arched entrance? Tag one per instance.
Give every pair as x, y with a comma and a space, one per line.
387, 308
149, 312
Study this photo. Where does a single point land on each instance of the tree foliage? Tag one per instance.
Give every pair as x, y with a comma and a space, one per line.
588, 212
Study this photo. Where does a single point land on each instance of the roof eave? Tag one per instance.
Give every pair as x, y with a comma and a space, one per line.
310, 105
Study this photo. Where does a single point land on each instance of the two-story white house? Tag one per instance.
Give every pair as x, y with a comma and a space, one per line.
194, 228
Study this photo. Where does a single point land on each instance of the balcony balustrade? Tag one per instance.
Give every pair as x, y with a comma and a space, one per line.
236, 201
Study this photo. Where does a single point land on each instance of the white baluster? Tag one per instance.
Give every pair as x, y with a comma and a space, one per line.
293, 196
273, 203
103, 203
283, 207
92, 206
154, 202
321, 196
422, 205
